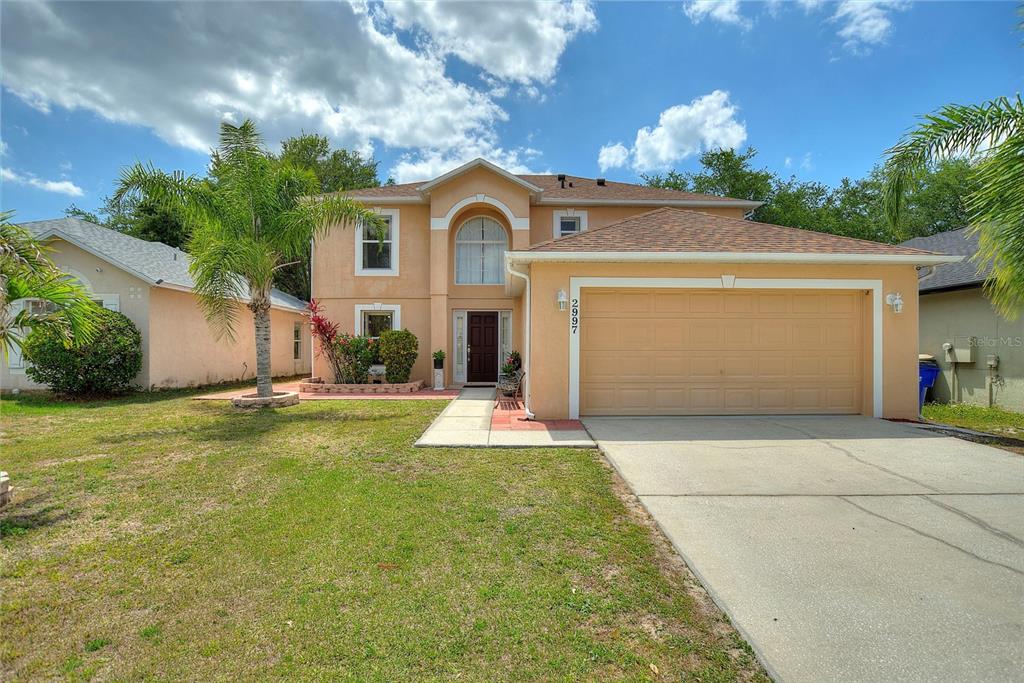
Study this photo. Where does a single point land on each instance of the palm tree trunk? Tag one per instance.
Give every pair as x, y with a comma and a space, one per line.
260, 306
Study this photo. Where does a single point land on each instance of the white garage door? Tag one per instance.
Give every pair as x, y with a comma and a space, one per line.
713, 352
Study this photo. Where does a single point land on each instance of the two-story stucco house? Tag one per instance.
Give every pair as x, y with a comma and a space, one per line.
629, 300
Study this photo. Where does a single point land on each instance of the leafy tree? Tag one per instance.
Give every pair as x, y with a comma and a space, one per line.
60, 305
854, 208
335, 170
724, 173
248, 220
139, 217
105, 365
990, 134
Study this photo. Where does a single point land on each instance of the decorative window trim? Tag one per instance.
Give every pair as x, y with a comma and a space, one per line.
395, 246
556, 220
394, 309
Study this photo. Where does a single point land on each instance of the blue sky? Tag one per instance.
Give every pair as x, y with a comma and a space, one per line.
820, 89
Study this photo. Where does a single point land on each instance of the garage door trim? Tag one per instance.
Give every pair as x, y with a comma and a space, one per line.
723, 282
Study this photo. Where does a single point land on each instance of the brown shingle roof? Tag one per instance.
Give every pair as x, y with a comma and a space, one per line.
682, 230
580, 189
587, 188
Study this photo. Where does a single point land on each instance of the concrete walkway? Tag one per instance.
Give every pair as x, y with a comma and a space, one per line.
467, 422
842, 548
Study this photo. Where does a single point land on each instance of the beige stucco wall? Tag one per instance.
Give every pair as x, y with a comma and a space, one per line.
549, 354
967, 312
100, 278
186, 352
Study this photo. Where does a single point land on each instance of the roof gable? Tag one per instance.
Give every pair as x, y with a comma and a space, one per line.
966, 273
478, 163
156, 263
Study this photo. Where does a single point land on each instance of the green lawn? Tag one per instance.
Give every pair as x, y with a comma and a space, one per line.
992, 420
159, 538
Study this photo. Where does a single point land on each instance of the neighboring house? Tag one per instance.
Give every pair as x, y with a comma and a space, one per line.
149, 282
628, 300
956, 311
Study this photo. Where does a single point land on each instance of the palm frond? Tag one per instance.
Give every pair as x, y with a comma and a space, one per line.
954, 130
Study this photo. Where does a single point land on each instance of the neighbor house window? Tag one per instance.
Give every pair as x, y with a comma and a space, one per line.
568, 222
480, 248
297, 341
372, 319
377, 253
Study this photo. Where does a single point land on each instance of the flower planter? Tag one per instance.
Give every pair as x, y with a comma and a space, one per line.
324, 388
279, 399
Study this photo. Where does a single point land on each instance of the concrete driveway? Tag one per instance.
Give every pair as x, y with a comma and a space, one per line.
843, 548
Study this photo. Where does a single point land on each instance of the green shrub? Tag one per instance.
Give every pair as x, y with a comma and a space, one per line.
398, 351
355, 355
106, 365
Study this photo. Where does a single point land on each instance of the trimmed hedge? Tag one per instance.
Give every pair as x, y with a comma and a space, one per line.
106, 365
398, 351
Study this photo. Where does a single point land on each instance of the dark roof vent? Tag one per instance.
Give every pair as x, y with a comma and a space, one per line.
561, 179
570, 183
600, 181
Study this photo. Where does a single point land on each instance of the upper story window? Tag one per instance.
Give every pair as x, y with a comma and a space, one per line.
568, 222
480, 248
378, 254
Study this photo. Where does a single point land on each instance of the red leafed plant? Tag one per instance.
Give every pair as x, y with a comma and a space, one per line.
325, 331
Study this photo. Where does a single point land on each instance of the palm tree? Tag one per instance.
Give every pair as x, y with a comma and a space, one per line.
252, 217
27, 273
992, 136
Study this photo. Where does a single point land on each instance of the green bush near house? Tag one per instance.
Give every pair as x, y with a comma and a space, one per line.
106, 365
398, 351
355, 356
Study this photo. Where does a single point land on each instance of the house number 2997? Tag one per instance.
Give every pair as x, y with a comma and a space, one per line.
574, 316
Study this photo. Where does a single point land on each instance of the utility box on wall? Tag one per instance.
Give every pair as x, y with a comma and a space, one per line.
961, 350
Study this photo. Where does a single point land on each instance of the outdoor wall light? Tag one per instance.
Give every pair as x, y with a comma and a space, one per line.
562, 299
895, 300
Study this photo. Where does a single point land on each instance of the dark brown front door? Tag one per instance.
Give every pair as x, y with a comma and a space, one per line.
483, 347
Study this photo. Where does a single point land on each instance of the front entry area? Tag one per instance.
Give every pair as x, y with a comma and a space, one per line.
714, 352
483, 349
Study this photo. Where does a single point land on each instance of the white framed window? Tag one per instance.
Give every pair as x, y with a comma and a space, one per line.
480, 246
376, 256
372, 319
297, 341
565, 222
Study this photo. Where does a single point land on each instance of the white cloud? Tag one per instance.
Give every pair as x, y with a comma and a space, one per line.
28, 179
519, 42
349, 77
427, 164
865, 22
788, 162
3, 148
708, 122
725, 11
613, 155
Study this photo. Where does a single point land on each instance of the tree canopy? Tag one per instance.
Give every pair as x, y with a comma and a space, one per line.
935, 201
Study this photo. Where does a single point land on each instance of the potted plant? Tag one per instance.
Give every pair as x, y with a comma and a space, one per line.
508, 382
439, 359
438, 370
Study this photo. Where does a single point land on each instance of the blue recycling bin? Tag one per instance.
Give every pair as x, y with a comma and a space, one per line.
927, 371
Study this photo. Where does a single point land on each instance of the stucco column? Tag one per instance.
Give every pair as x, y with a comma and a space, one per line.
521, 239
439, 322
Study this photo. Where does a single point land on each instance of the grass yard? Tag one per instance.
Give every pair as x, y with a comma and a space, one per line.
160, 538
992, 420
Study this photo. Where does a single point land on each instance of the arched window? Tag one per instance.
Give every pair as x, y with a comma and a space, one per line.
480, 246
